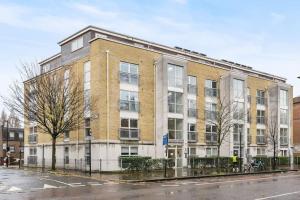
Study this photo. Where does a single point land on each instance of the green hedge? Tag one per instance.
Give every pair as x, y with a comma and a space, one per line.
209, 162
138, 163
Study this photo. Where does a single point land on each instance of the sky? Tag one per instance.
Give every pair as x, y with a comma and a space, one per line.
263, 34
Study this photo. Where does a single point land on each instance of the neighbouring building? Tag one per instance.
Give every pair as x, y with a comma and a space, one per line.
296, 125
146, 90
15, 141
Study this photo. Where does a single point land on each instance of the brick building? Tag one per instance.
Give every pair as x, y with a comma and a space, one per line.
146, 90
296, 124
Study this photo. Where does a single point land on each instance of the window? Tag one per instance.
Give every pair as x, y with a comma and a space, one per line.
66, 135
129, 101
284, 140
129, 151
260, 97
129, 73
32, 158
192, 151
192, 134
12, 149
129, 129
46, 67
239, 111
66, 155
77, 44
211, 134
283, 99
175, 76
192, 108
284, 153
33, 130
284, 116
211, 88
238, 129
210, 111
260, 117
175, 102
260, 136
87, 127
21, 135
192, 85
175, 127
87, 88
32, 137
11, 135
238, 89
248, 95
32, 151
87, 154
261, 151
211, 151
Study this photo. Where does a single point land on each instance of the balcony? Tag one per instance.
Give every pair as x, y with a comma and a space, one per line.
32, 160
261, 139
193, 112
211, 92
192, 136
210, 115
175, 108
129, 78
260, 120
192, 89
211, 138
175, 136
129, 134
32, 138
132, 106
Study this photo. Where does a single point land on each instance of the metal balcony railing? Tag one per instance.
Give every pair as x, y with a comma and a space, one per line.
132, 106
129, 134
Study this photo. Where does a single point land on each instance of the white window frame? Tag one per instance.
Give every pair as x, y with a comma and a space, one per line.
77, 44
130, 151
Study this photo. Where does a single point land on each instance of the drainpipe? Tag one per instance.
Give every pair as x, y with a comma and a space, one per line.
154, 110
107, 106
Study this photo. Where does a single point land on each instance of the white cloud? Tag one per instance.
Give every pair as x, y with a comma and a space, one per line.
92, 10
277, 18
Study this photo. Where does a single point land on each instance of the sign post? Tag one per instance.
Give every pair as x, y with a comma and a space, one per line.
166, 144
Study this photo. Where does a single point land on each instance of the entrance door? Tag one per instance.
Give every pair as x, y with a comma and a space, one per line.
175, 154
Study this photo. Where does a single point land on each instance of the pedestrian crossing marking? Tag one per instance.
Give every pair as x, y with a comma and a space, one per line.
14, 189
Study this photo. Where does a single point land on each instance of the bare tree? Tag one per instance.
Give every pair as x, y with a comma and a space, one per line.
13, 120
55, 104
272, 137
223, 121
3, 117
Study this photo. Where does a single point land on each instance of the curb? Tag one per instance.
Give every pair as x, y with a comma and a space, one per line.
207, 176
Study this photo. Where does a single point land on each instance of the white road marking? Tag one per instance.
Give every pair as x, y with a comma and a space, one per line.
46, 186
169, 185
14, 189
55, 181
279, 195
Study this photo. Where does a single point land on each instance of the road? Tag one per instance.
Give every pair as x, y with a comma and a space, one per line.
19, 184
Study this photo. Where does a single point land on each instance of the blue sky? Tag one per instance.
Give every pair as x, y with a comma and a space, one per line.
263, 34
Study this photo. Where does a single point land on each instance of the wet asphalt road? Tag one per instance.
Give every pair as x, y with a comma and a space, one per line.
18, 184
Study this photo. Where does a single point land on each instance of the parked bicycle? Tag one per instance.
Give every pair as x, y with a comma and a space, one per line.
254, 166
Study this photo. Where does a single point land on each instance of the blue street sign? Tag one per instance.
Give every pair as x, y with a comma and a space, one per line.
165, 139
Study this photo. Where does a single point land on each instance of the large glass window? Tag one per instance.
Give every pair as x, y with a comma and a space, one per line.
175, 127
175, 76
284, 136
211, 151
260, 117
129, 73
77, 44
129, 101
210, 111
239, 110
129, 129
283, 98
238, 89
260, 97
260, 136
284, 116
238, 129
211, 134
211, 88
87, 88
192, 108
192, 134
261, 151
192, 85
175, 101
129, 151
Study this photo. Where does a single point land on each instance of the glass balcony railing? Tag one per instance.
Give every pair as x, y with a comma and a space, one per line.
192, 136
210, 115
193, 112
175, 108
132, 106
129, 78
175, 136
129, 134
211, 92
192, 89
211, 138
261, 139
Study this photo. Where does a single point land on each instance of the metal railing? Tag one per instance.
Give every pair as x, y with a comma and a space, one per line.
133, 106
192, 89
129, 78
129, 134
193, 112
192, 136
211, 92
32, 138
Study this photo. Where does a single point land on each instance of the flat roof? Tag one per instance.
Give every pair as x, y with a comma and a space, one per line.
177, 50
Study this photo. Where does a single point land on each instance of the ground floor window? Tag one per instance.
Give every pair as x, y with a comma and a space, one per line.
261, 151
12, 149
211, 151
129, 151
192, 151
66, 155
284, 153
32, 158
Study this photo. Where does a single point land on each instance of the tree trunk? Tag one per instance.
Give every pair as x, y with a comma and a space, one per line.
53, 153
218, 160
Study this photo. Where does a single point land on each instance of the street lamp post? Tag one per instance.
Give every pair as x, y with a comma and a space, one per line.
240, 151
7, 148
